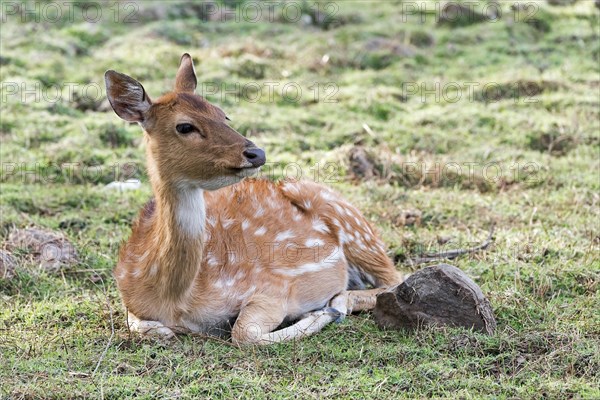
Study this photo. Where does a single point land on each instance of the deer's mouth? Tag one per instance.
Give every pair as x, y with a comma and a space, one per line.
245, 171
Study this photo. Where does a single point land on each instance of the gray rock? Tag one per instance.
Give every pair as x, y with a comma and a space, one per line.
437, 295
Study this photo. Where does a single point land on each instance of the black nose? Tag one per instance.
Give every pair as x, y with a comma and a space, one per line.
256, 156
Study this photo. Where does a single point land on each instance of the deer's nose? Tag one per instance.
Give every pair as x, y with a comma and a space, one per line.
256, 156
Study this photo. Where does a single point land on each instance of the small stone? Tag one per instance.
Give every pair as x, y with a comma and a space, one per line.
410, 217
95, 278
7, 265
362, 166
52, 251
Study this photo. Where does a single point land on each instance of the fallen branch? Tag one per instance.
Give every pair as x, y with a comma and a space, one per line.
452, 254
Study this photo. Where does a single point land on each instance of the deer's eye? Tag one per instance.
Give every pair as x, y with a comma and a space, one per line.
185, 128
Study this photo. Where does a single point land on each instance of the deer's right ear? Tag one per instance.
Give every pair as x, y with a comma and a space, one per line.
186, 81
126, 96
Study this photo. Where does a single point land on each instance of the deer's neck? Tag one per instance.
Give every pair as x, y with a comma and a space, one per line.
178, 234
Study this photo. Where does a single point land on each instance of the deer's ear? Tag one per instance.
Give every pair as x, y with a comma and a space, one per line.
186, 75
126, 96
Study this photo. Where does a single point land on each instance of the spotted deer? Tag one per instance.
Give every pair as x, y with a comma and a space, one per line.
275, 260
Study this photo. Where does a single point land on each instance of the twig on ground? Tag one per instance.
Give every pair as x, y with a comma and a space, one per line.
112, 334
452, 254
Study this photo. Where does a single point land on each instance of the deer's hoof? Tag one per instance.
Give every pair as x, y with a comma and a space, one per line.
151, 328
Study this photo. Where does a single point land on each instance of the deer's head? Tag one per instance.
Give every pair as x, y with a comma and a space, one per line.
190, 142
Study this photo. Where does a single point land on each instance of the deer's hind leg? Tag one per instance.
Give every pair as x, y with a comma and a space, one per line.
350, 301
259, 318
345, 303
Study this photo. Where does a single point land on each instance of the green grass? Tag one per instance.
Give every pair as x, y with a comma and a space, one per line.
528, 129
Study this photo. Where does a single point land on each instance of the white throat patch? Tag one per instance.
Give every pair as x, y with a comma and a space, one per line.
191, 210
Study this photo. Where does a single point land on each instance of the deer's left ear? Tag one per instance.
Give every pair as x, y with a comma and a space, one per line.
186, 75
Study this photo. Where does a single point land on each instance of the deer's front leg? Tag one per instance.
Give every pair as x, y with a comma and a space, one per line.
148, 328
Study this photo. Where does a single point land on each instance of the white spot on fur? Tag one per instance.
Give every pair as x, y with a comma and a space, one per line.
245, 224
260, 231
343, 237
240, 275
302, 269
313, 242
144, 256
297, 217
328, 196
231, 257
226, 223
272, 202
281, 236
230, 282
328, 262
338, 209
290, 187
247, 293
320, 226
259, 212
212, 260
153, 269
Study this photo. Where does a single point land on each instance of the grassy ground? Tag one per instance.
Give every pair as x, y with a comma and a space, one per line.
511, 137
